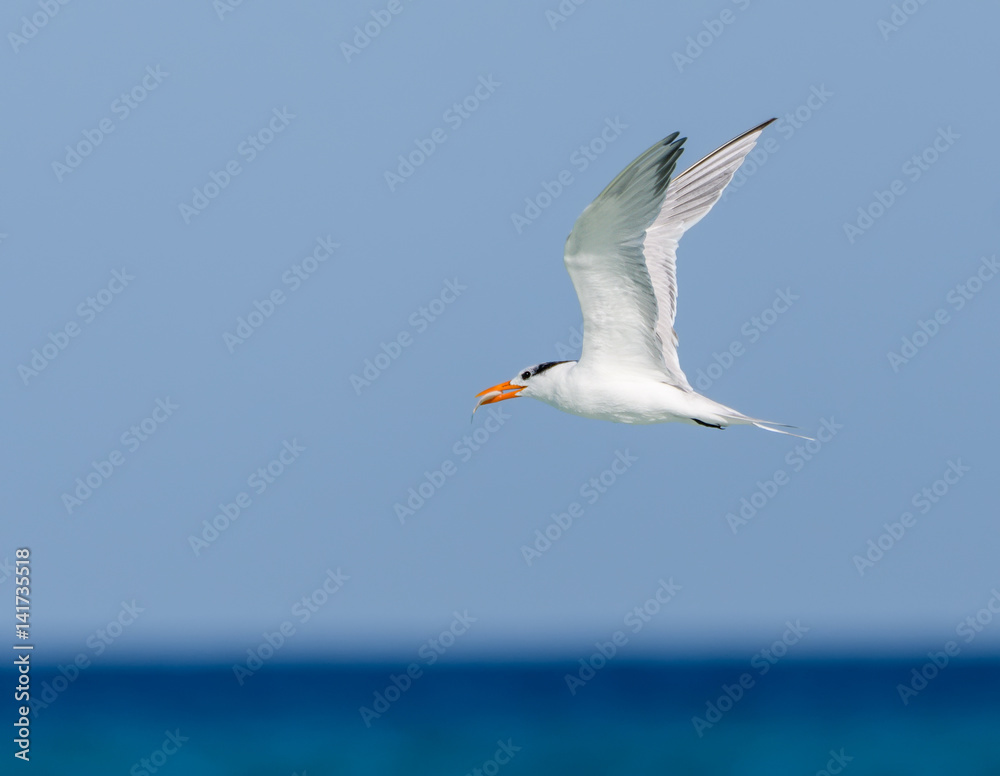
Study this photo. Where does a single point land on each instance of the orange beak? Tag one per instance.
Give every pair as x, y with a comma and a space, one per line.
498, 393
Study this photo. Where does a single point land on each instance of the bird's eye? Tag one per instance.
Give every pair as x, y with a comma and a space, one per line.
525, 374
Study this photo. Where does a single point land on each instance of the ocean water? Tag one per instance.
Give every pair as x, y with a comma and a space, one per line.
628, 718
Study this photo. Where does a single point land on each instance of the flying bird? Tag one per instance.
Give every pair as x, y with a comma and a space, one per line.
622, 259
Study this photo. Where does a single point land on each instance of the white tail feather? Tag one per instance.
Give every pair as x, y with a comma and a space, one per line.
779, 431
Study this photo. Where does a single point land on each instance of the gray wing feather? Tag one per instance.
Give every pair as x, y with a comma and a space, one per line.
621, 254
605, 260
689, 198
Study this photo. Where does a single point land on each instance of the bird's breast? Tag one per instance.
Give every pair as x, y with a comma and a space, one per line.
620, 398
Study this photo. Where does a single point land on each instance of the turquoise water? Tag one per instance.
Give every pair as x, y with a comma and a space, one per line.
804, 717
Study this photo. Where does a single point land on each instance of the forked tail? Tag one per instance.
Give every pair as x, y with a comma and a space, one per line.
708, 412
762, 424
735, 416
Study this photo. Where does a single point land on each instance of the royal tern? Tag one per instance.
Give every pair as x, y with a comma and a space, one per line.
621, 257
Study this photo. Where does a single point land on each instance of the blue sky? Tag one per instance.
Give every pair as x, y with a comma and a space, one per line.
267, 258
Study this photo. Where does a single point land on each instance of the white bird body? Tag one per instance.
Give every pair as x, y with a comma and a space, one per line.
627, 396
621, 257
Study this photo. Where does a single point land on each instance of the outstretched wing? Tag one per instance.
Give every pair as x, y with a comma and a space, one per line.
621, 254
